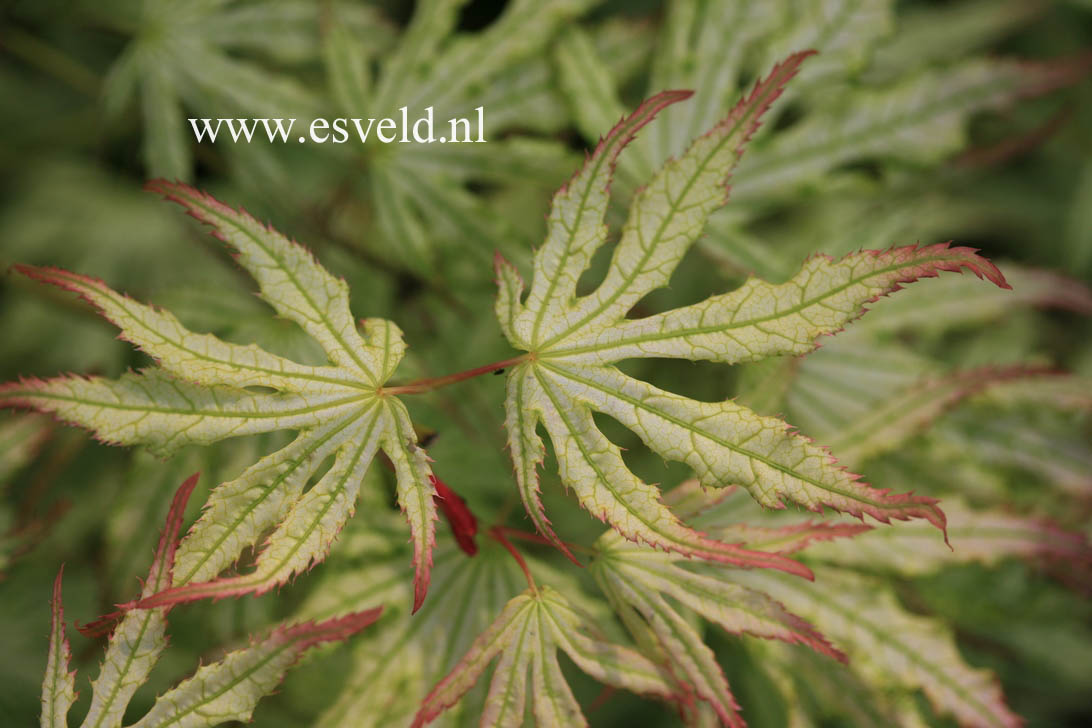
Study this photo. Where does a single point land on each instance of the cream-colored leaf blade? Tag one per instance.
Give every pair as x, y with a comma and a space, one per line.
575, 227
308, 530
593, 468
414, 489
667, 216
677, 638
239, 511
164, 413
290, 280
59, 683
760, 319
487, 646
230, 689
890, 646
197, 358
527, 450
727, 444
612, 664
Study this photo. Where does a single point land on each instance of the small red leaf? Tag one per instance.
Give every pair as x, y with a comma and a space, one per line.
464, 526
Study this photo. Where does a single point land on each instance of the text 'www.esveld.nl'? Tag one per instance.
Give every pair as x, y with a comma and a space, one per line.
388, 130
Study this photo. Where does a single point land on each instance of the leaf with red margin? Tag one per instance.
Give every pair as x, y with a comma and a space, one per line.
573, 343
59, 685
638, 581
526, 635
981, 535
897, 650
138, 641
205, 389
230, 689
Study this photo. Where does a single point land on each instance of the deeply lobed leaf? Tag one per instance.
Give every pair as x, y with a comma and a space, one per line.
573, 341
526, 636
204, 390
890, 646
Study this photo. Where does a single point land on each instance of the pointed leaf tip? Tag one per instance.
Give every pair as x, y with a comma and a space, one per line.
464, 526
59, 684
308, 634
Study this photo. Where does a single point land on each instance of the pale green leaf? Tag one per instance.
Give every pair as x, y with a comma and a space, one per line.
985, 536
228, 690
640, 579
920, 120
59, 684
888, 646
205, 390
138, 641
526, 635
573, 341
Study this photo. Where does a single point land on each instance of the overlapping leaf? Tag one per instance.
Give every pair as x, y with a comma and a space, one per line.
644, 584
985, 536
889, 646
419, 191
526, 636
573, 341
912, 117
187, 55
217, 693
205, 389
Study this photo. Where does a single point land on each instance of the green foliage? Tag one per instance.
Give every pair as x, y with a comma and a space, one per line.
887, 488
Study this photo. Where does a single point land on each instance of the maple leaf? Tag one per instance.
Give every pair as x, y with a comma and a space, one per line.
916, 117
980, 535
419, 191
205, 390
223, 691
890, 646
638, 581
187, 55
526, 635
572, 343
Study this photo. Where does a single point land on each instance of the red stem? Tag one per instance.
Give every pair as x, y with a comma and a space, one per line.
537, 538
427, 385
498, 533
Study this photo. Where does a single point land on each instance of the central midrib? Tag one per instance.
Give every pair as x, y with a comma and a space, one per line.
637, 269
708, 435
698, 330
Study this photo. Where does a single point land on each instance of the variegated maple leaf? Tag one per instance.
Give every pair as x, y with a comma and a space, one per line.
572, 343
891, 647
527, 634
217, 693
206, 389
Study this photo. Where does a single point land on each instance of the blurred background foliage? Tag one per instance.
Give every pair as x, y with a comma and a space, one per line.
877, 144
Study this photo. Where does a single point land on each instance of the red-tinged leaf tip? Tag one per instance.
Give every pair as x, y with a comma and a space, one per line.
748, 112
101, 627
168, 539
803, 633
57, 625
611, 145
420, 584
464, 526
308, 634
56, 603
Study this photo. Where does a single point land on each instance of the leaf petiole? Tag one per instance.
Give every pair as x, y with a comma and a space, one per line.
427, 385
